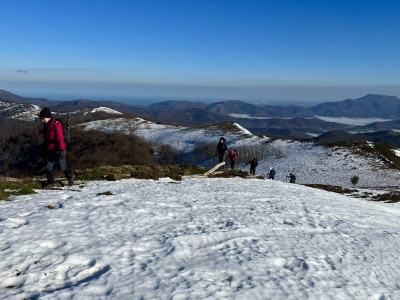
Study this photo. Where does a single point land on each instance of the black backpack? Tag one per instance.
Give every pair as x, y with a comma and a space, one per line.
65, 127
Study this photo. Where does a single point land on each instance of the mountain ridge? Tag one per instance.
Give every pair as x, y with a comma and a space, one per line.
294, 121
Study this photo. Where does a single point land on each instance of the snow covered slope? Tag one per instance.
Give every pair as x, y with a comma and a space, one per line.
315, 164
197, 239
311, 163
179, 137
21, 111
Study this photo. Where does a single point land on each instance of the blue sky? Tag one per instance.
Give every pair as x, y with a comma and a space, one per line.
207, 50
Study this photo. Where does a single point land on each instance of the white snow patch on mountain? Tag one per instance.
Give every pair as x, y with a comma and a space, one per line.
104, 109
29, 113
197, 239
242, 129
179, 137
397, 152
21, 111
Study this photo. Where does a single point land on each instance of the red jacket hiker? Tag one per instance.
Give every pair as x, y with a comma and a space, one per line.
233, 158
54, 147
53, 135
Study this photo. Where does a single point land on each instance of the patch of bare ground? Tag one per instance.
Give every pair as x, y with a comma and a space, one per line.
332, 188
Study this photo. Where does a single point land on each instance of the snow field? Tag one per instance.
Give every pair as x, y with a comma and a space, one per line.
197, 239
310, 163
323, 165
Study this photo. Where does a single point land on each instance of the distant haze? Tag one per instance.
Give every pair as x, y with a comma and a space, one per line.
144, 94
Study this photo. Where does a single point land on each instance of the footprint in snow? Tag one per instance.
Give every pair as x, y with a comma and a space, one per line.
74, 270
13, 223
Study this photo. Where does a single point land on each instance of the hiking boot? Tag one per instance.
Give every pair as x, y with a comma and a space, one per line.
71, 180
50, 180
48, 185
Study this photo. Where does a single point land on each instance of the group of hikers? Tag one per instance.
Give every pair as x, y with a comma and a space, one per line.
54, 150
233, 155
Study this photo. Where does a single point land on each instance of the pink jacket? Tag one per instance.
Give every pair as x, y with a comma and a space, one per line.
232, 156
53, 135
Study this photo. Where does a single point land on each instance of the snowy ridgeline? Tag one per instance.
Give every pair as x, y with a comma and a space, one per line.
311, 163
22, 111
197, 239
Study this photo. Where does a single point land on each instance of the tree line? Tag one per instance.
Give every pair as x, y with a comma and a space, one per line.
22, 154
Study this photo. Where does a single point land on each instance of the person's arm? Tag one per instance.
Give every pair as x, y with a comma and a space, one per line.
59, 133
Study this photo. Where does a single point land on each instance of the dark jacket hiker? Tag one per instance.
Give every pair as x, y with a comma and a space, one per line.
253, 165
292, 178
271, 174
54, 147
222, 149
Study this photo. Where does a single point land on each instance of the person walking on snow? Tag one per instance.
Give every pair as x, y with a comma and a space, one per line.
271, 174
233, 157
54, 147
292, 178
222, 149
253, 165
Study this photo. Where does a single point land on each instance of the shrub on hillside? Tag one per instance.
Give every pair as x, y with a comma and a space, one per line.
354, 180
22, 154
10, 127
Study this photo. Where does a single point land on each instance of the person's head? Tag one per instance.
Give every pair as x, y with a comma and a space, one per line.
290, 174
45, 114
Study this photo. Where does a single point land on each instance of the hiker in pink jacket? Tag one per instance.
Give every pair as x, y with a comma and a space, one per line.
54, 147
233, 157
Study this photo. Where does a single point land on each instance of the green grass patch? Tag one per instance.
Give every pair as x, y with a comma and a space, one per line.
17, 188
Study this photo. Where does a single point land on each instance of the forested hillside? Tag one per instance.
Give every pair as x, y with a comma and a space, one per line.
22, 154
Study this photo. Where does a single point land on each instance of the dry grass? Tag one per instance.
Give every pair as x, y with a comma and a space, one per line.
154, 172
332, 188
234, 173
392, 197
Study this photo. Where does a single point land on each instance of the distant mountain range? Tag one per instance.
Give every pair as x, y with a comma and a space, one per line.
385, 137
286, 120
369, 106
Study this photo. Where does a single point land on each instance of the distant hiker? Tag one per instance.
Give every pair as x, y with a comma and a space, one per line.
292, 178
253, 165
233, 157
222, 149
271, 174
54, 147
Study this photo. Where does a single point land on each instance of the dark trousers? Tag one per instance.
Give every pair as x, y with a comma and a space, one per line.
252, 170
221, 157
233, 164
53, 157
